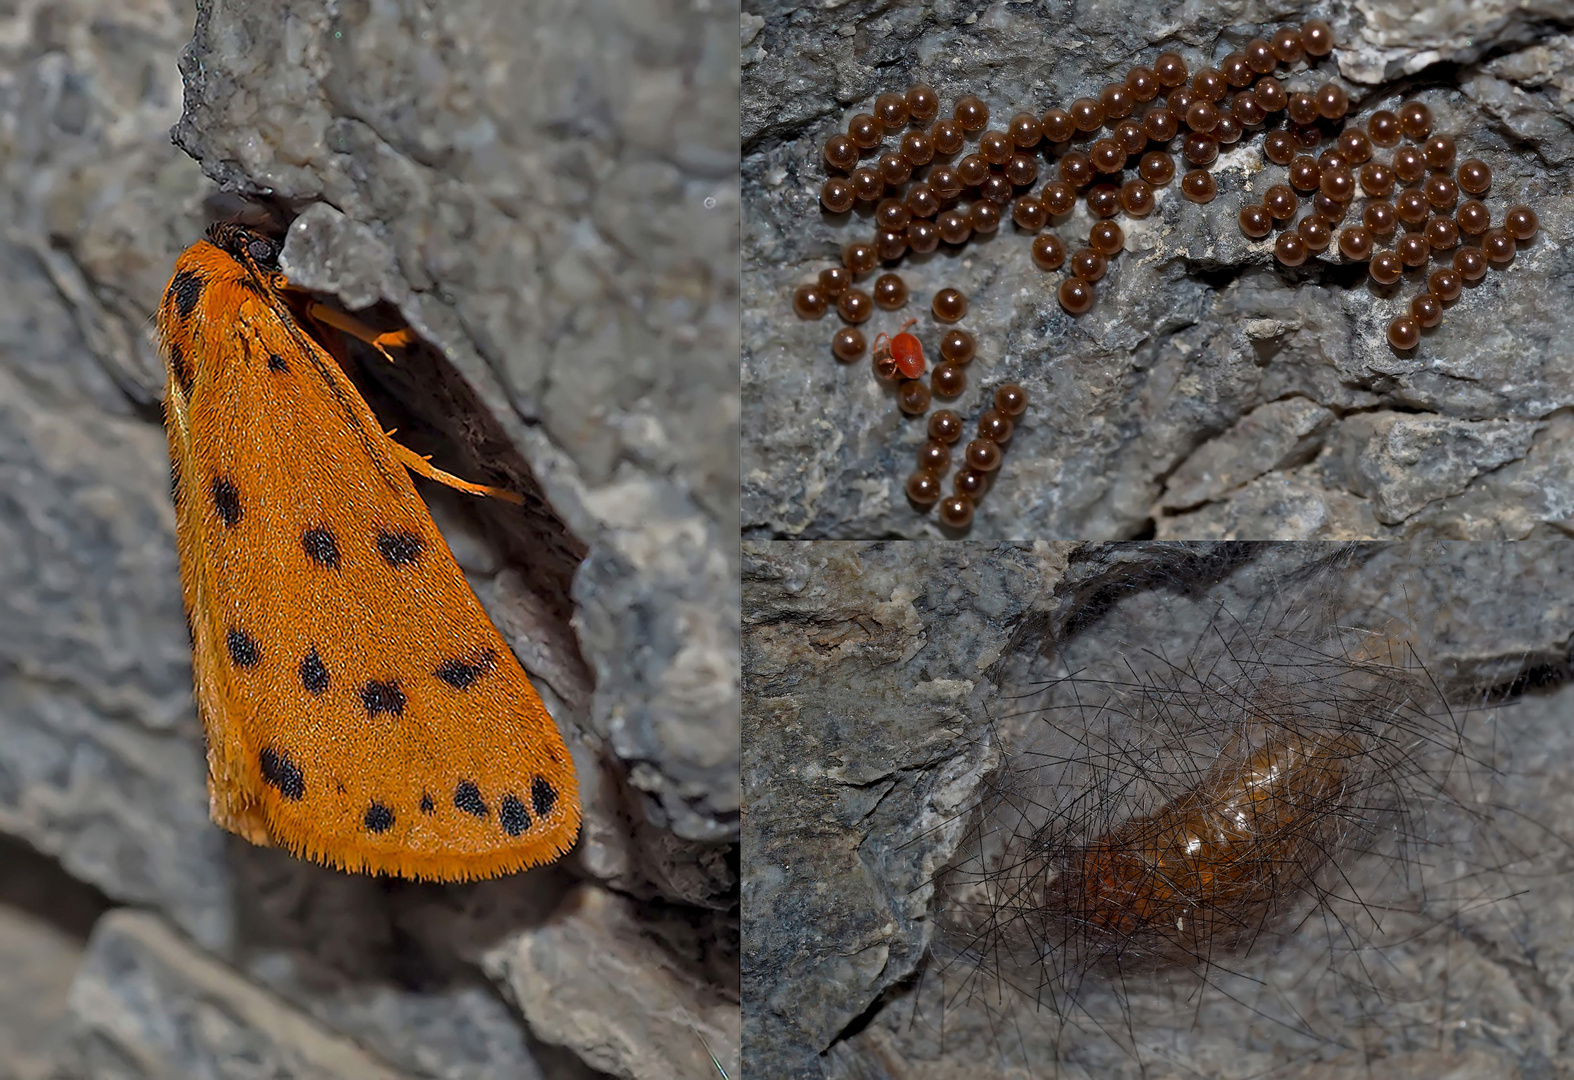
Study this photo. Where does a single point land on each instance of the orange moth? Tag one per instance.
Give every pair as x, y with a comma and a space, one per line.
360, 708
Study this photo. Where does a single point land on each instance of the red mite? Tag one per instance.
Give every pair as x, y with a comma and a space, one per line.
904, 351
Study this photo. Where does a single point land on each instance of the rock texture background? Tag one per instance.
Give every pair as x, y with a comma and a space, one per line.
1209, 393
549, 196
870, 670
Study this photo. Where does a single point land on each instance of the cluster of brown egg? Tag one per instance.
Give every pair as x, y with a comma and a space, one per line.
919, 214
900, 360
980, 458
1417, 178
927, 189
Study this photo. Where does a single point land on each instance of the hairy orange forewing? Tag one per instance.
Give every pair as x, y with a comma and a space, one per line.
360, 708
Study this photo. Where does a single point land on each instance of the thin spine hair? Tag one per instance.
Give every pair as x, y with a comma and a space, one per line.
1255, 823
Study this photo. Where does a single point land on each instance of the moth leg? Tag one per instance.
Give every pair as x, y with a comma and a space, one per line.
349, 324
397, 339
423, 467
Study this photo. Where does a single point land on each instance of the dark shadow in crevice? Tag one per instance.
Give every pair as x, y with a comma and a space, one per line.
1100, 575
37, 884
861, 1021
1537, 676
1217, 276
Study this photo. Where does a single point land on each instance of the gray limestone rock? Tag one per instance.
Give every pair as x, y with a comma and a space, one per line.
1270, 438
1304, 507
1403, 462
878, 675
148, 1005
550, 198
45, 919
1195, 327
101, 762
862, 663
668, 1020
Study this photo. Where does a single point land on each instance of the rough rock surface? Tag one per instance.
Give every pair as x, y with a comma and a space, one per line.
871, 673
862, 664
550, 198
597, 979
1196, 329
151, 1005
45, 919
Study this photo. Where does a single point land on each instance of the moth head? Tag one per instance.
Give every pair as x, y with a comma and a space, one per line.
247, 246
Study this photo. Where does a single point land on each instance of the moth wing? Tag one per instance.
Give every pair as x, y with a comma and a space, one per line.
361, 708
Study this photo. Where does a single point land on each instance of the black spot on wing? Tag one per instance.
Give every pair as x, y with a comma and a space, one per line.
379, 819
178, 365
321, 547
513, 816
185, 289
226, 500
276, 362
382, 697
468, 798
399, 548
427, 806
243, 648
281, 773
314, 675
462, 674
543, 796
